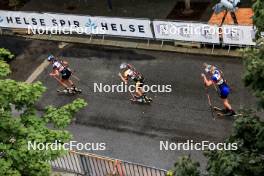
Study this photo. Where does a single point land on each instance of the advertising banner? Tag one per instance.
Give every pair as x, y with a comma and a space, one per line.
238, 35
182, 31
89, 25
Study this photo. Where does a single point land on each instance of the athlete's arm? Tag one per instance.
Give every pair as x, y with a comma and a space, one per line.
206, 81
124, 77
54, 72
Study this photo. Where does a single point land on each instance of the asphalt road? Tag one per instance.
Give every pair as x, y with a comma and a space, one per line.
132, 131
181, 114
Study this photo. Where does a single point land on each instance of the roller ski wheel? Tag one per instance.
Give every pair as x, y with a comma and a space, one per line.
141, 101
227, 114
148, 99
77, 90
71, 91
215, 108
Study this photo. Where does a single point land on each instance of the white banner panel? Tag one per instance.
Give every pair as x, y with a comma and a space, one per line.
196, 32
238, 35
91, 25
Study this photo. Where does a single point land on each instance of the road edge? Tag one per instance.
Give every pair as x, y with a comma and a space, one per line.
137, 44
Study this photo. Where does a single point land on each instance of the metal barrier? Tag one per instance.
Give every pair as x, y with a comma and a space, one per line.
135, 28
94, 165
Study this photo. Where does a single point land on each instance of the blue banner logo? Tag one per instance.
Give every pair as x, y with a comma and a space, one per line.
91, 24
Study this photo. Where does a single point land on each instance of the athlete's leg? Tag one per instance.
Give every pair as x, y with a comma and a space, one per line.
228, 108
224, 92
61, 82
66, 74
227, 104
69, 83
139, 89
64, 83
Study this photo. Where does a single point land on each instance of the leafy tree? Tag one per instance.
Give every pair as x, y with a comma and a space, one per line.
6, 55
4, 69
254, 71
248, 133
248, 129
185, 167
254, 58
258, 17
17, 130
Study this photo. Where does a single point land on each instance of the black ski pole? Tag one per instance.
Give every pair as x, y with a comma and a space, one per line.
209, 102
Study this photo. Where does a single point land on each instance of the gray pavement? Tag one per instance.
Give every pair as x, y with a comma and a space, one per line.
154, 9
132, 132
27, 54
131, 147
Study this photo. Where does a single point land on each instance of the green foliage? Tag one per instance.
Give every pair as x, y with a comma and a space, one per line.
258, 17
6, 168
185, 167
6, 55
4, 69
28, 126
248, 133
254, 71
61, 116
20, 94
248, 130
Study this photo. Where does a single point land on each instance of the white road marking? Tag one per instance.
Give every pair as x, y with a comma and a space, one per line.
43, 66
37, 71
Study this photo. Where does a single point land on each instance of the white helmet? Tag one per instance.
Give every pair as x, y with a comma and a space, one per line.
208, 68
51, 58
123, 66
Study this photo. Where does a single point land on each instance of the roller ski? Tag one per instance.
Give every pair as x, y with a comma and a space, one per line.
216, 109
225, 112
70, 91
142, 99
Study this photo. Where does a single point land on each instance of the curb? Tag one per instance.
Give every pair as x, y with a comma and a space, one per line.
137, 44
